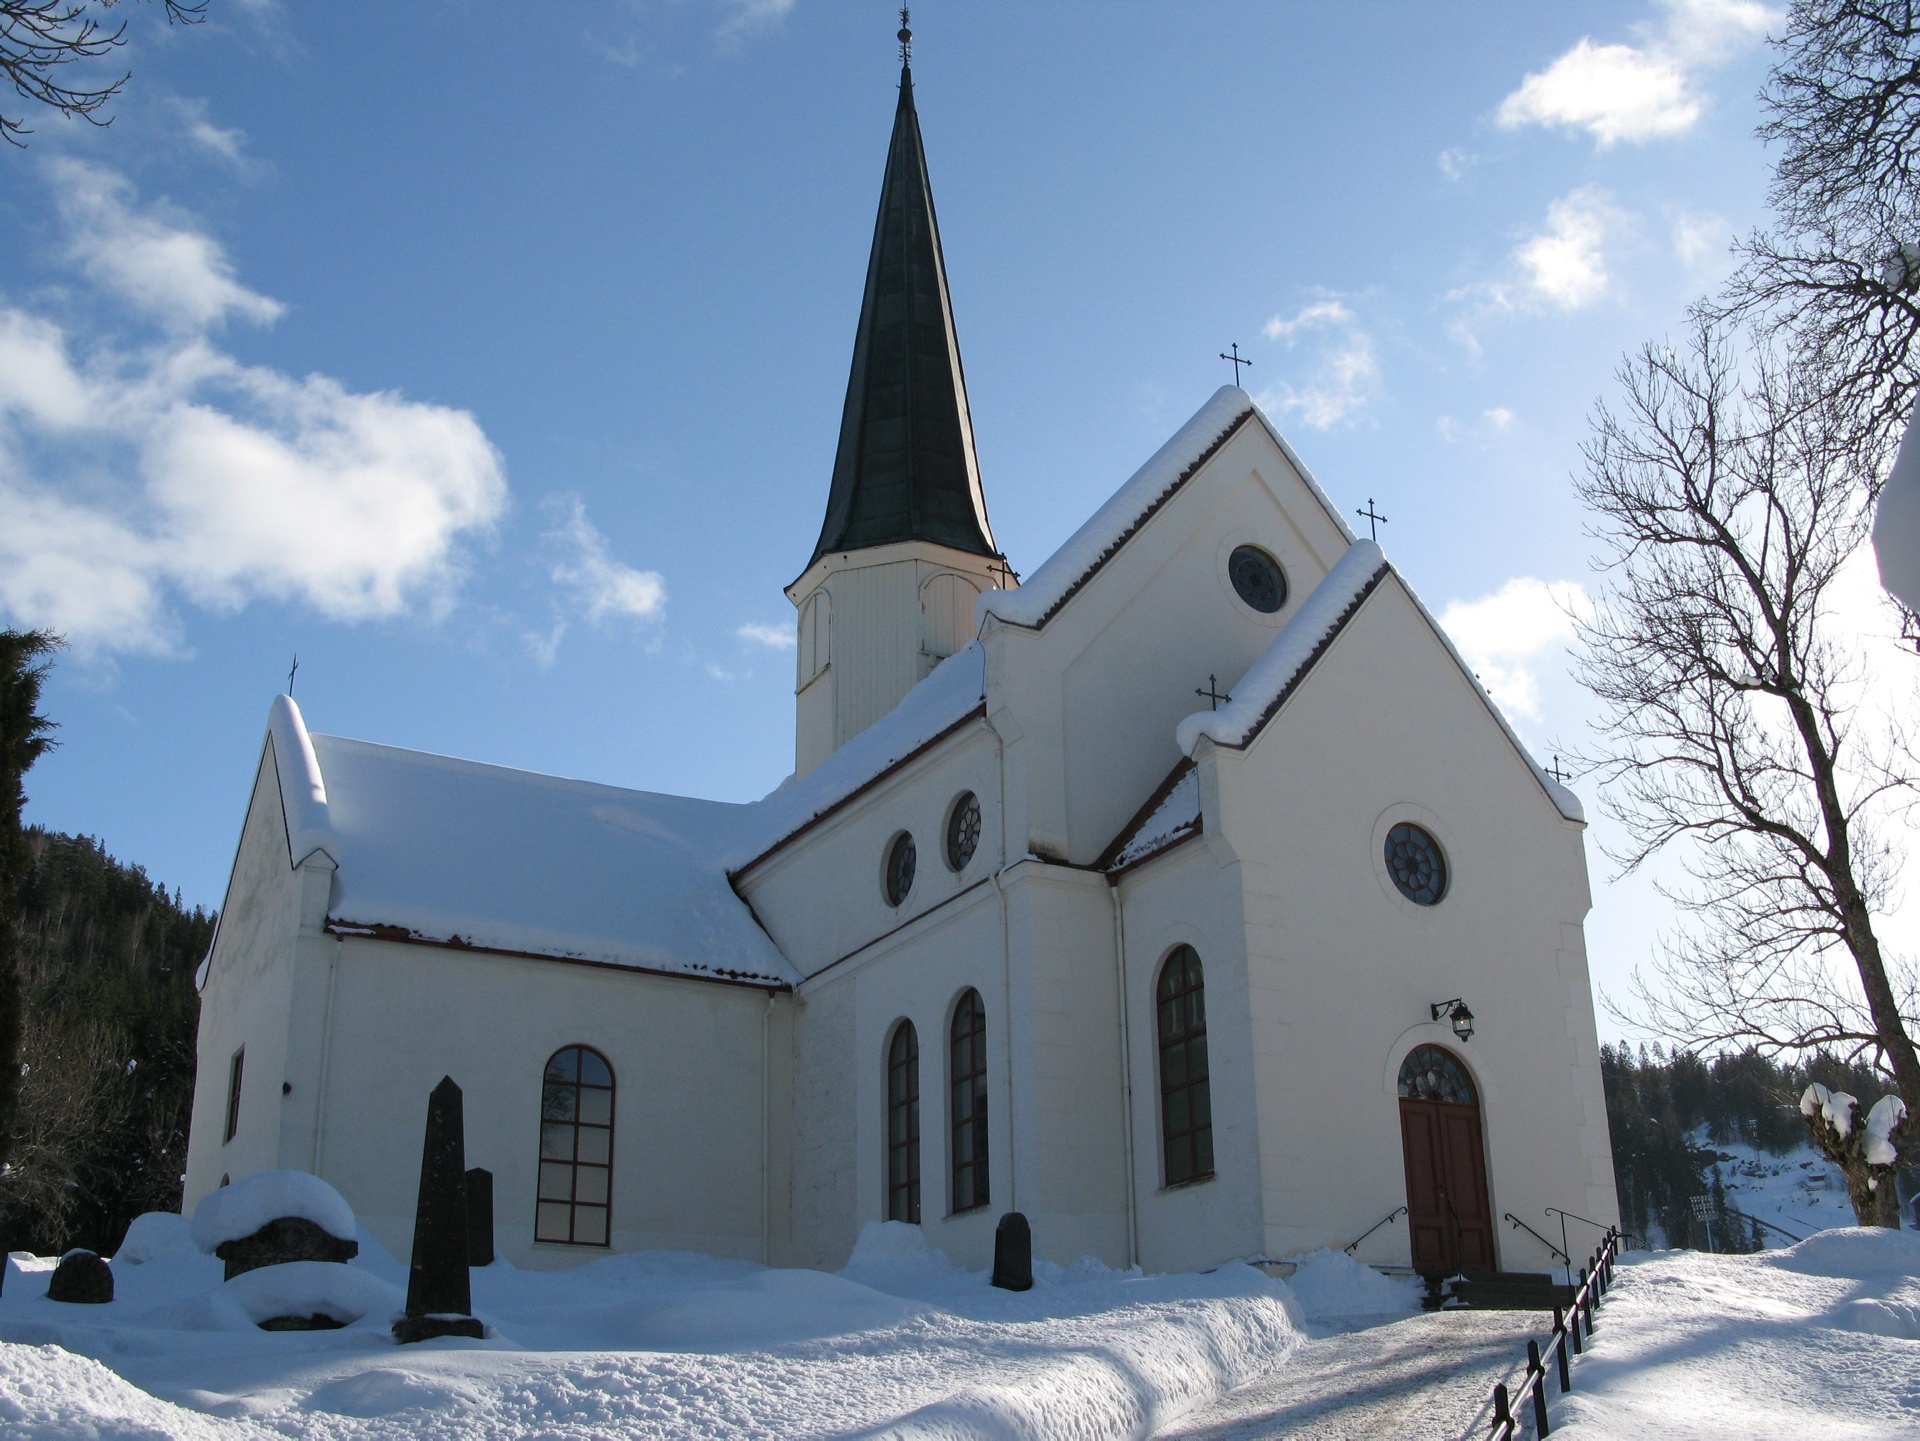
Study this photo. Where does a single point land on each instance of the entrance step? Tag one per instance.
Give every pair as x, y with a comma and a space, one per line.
1498, 1291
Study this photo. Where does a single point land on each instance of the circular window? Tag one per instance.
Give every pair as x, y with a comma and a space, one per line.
1257, 579
1416, 865
963, 831
900, 863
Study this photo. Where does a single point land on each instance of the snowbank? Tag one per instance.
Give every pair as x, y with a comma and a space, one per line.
651, 1344
1331, 1284
1817, 1340
237, 1211
157, 1233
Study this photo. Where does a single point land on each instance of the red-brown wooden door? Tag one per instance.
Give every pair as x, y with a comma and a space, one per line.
1448, 1215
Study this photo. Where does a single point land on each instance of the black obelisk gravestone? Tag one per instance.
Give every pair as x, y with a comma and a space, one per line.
479, 1217
1013, 1253
439, 1299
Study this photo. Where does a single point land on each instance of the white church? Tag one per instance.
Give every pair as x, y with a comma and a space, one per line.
1190, 897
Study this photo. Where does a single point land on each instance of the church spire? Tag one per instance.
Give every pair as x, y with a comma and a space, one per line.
905, 469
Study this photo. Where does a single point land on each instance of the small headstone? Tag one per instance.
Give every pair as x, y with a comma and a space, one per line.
289, 1238
439, 1297
1013, 1253
318, 1321
82, 1278
479, 1217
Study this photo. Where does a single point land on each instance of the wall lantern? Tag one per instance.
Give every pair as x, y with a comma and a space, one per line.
1457, 1012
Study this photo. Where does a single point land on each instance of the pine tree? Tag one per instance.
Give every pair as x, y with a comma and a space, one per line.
25, 735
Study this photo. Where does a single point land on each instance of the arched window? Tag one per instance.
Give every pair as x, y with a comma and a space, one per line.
968, 1067
946, 603
576, 1149
1431, 1074
816, 637
1186, 1104
903, 1125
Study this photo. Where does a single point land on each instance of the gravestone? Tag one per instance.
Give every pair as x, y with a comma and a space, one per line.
479, 1217
82, 1278
439, 1297
1013, 1253
287, 1238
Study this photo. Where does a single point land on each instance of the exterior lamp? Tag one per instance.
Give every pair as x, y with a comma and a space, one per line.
1457, 1012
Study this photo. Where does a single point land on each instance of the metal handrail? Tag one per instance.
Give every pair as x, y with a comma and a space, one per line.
1768, 1224
1385, 1220
1597, 1225
1595, 1278
1509, 1216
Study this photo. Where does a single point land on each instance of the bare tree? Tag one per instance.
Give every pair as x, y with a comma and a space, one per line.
39, 39
1839, 271
1727, 496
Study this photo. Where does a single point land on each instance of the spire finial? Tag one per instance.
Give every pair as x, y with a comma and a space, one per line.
906, 38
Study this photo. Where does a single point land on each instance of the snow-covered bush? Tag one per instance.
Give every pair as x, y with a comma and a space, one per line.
1867, 1155
156, 1234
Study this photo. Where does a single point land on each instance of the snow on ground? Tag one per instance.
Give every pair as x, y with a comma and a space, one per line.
652, 1344
1802, 1190
1821, 1339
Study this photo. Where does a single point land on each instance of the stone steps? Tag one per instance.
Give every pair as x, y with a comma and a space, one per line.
1499, 1291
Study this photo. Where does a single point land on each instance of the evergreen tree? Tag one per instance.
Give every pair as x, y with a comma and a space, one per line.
25, 735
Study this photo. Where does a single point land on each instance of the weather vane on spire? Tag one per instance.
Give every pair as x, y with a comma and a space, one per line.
906, 38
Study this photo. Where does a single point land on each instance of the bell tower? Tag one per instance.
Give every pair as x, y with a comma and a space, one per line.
905, 547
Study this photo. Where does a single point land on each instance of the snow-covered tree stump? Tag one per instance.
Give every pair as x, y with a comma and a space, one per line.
1867, 1155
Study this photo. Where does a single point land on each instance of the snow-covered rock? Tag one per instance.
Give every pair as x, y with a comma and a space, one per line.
309, 1288
237, 1211
156, 1234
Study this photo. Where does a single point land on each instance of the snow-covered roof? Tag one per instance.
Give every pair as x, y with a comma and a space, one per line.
956, 690
1272, 677
1076, 562
454, 852
1171, 815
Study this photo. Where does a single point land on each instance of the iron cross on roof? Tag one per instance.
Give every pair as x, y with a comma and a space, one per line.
1373, 519
1212, 694
294, 671
1237, 360
906, 37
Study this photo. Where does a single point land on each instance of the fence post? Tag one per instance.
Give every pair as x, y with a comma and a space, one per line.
1501, 1415
1537, 1374
1560, 1350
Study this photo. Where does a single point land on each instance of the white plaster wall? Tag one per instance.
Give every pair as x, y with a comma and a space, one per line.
1098, 691
1342, 969
248, 997
690, 1067
821, 896
1191, 896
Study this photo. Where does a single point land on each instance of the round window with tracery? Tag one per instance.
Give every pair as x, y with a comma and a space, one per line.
1257, 579
963, 831
1414, 861
901, 860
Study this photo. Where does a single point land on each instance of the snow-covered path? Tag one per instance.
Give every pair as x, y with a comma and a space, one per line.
1418, 1379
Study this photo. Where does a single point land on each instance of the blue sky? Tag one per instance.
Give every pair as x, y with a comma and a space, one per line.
490, 356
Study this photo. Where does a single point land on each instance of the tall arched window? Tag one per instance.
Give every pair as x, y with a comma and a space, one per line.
576, 1149
903, 1125
1186, 1105
967, 1065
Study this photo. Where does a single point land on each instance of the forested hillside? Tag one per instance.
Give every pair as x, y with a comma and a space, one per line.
1668, 1112
107, 960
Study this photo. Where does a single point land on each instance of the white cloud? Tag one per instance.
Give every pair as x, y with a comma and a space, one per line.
1344, 373
1566, 264
1638, 92
603, 587
174, 273
1505, 635
1494, 422
1700, 237
130, 479
774, 637
226, 143
1456, 162
743, 16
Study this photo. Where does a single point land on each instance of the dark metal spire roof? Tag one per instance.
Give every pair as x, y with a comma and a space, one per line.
906, 469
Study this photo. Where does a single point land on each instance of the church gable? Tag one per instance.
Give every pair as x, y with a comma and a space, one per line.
1174, 587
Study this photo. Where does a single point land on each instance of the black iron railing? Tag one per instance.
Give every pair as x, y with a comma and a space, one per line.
1386, 1220
1564, 1257
1595, 1278
1735, 1210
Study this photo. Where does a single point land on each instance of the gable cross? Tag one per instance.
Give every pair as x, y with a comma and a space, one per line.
1554, 770
1373, 519
293, 671
1212, 694
1237, 360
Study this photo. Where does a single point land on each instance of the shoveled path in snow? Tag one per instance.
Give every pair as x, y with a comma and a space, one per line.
1420, 1379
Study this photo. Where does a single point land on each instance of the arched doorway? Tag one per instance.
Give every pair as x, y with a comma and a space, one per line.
1448, 1214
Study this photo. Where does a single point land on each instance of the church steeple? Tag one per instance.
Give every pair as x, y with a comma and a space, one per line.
905, 470
906, 549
